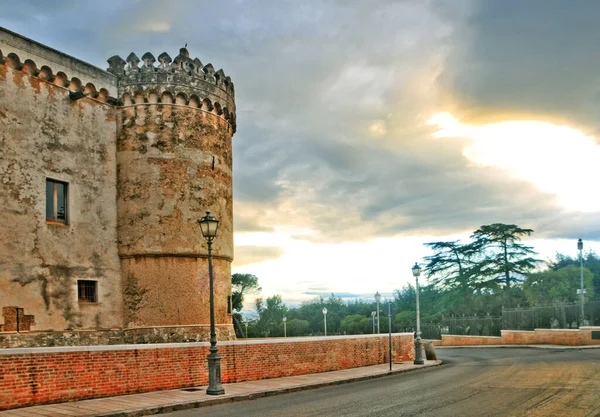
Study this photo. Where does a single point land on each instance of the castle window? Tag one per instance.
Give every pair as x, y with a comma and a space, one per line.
56, 201
87, 291
229, 304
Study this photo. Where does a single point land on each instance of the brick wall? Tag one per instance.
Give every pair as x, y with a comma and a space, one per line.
44, 375
567, 337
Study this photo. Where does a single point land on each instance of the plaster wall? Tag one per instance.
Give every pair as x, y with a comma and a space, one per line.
44, 134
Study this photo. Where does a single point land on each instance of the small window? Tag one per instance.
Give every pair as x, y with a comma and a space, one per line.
229, 304
56, 201
87, 291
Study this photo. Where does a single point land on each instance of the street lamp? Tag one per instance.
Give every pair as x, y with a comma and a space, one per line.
419, 360
284, 326
373, 320
208, 226
377, 300
581, 290
325, 319
246, 324
390, 332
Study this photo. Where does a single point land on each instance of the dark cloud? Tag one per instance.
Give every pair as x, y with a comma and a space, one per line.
311, 78
535, 57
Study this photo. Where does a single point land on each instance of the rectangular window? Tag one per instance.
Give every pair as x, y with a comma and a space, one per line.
56, 201
229, 304
87, 291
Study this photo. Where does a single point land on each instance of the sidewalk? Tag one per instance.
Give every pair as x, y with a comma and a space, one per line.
179, 399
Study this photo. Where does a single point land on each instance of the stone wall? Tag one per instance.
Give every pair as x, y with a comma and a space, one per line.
45, 134
136, 335
566, 337
46, 375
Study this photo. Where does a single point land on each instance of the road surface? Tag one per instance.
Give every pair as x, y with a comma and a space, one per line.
473, 382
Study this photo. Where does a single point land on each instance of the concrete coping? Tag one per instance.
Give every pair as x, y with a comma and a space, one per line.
105, 348
470, 335
517, 331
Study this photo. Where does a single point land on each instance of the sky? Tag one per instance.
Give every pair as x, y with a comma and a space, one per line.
369, 127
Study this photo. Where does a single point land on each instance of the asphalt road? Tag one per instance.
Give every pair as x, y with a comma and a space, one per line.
473, 382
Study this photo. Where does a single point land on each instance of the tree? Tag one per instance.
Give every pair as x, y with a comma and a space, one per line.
355, 324
270, 316
241, 285
503, 258
296, 327
450, 266
560, 285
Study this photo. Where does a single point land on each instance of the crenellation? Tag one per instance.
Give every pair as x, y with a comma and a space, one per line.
45, 73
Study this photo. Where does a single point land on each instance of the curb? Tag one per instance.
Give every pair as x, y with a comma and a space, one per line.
145, 411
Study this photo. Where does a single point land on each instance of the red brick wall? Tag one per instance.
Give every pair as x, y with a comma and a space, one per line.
567, 337
29, 377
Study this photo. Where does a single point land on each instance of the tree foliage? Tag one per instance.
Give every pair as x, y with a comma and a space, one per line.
450, 266
502, 258
241, 285
560, 285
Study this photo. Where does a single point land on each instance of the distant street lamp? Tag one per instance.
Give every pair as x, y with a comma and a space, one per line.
373, 313
284, 326
377, 300
246, 324
419, 360
208, 226
581, 290
390, 332
325, 319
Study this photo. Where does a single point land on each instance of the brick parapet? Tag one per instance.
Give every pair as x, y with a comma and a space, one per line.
566, 337
47, 375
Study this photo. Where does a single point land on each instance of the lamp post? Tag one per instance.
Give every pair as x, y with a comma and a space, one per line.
373, 320
377, 300
390, 331
325, 319
208, 226
246, 324
284, 326
581, 290
419, 360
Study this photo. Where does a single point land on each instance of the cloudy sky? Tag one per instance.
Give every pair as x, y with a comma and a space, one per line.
367, 127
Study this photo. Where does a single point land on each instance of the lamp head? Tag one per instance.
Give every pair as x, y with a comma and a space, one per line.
416, 270
324, 310
209, 225
377, 297
580, 244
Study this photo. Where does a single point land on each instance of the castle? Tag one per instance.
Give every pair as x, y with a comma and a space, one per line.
103, 178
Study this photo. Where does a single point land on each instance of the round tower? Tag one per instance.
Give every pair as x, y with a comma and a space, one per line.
174, 163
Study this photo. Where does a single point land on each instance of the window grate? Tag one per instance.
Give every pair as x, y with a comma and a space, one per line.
87, 291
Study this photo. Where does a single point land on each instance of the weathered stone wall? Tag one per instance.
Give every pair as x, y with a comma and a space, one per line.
45, 134
45, 375
174, 163
137, 335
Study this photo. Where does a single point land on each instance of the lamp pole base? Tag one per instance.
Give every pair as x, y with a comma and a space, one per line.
214, 375
419, 356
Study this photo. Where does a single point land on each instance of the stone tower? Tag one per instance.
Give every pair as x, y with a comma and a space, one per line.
174, 162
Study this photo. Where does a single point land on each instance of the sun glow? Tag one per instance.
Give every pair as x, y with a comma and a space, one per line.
557, 159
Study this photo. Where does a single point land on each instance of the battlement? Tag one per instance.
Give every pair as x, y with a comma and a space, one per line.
181, 81
59, 79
